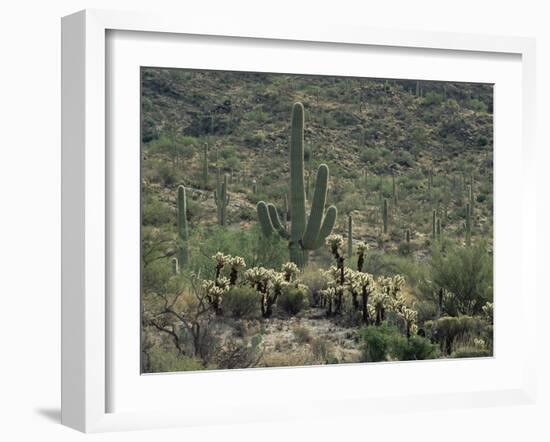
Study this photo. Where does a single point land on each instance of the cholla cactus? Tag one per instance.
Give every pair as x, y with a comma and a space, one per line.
214, 293
236, 263
488, 312
258, 278
363, 283
269, 284
362, 248
381, 301
409, 317
479, 343
290, 271
335, 243
327, 297
221, 259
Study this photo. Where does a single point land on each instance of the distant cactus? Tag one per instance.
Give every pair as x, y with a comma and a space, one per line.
183, 233
394, 190
434, 222
304, 235
175, 266
205, 166
438, 229
408, 236
361, 252
385, 215
221, 198
468, 224
350, 236
254, 187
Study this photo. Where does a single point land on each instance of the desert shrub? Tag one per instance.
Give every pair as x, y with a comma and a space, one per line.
292, 300
157, 360
244, 353
155, 212
412, 349
465, 272
302, 335
387, 343
375, 342
449, 330
471, 352
242, 302
322, 350
433, 98
314, 280
477, 105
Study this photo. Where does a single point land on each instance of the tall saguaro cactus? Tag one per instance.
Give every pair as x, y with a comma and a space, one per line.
350, 236
183, 233
468, 224
305, 234
205, 166
221, 198
385, 215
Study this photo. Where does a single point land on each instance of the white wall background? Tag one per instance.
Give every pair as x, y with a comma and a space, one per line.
30, 214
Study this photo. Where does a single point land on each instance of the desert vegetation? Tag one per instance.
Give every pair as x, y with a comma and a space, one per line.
300, 220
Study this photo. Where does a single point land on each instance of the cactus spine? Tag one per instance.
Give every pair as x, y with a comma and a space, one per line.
221, 198
350, 237
385, 215
205, 166
304, 235
183, 233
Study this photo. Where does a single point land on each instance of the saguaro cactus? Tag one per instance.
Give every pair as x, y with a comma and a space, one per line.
221, 198
183, 233
304, 235
205, 166
468, 225
394, 189
385, 215
350, 237
434, 222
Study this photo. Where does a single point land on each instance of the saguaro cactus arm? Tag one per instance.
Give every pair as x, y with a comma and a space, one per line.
317, 208
276, 222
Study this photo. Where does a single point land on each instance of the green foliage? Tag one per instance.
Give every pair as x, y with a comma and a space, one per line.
467, 274
292, 300
384, 342
447, 330
242, 302
158, 360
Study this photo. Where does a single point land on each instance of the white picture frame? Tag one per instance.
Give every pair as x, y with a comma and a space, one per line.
87, 319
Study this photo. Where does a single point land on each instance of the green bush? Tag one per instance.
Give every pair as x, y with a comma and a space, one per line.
467, 273
447, 330
156, 360
292, 300
376, 342
242, 302
385, 342
412, 349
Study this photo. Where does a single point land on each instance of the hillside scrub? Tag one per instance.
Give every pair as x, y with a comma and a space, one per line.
300, 220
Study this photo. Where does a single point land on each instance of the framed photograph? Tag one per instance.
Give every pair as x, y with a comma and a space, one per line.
291, 222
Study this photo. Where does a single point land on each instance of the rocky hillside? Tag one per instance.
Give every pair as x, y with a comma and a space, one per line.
419, 145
